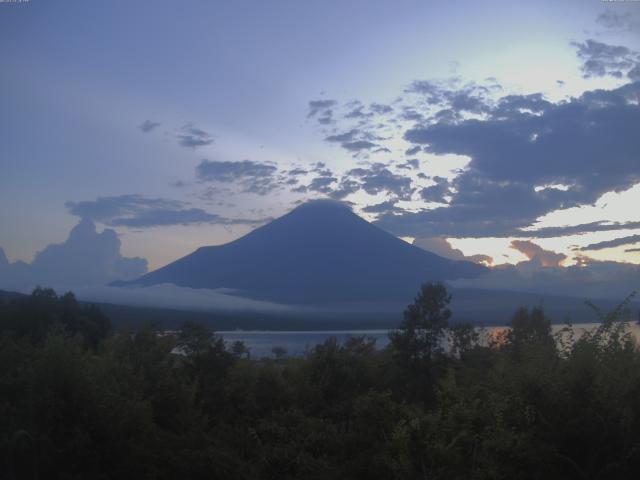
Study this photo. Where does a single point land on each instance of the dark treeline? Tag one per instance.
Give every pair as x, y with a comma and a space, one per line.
78, 401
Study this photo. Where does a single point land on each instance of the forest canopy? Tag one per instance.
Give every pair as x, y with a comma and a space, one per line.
79, 400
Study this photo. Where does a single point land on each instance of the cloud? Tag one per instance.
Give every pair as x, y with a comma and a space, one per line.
514, 150
410, 114
356, 141
452, 97
410, 164
629, 240
538, 255
322, 184
209, 170
326, 118
534, 103
600, 59
358, 145
382, 150
346, 187
436, 192
619, 22
178, 184
137, 211
159, 217
105, 209
357, 112
86, 258
174, 297
480, 208
563, 144
515, 144
599, 226
589, 279
380, 109
413, 150
149, 125
252, 177
342, 137
297, 172
322, 111
383, 207
373, 178
377, 178
432, 92
318, 106
441, 246
191, 136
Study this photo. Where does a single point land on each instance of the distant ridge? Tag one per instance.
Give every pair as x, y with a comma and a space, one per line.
320, 253
7, 296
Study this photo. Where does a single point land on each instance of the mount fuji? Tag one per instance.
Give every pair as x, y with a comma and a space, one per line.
320, 253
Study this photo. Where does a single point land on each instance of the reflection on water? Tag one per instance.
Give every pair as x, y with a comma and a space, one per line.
261, 343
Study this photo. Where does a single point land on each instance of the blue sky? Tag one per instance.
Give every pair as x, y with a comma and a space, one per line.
181, 124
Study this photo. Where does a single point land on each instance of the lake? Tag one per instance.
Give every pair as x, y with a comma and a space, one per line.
261, 343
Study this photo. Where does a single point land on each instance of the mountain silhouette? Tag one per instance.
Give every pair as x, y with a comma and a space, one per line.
320, 253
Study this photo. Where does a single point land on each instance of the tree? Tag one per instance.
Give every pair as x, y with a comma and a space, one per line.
207, 362
34, 316
464, 337
279, 351
240, 350
421, 333
529, 328
194, 338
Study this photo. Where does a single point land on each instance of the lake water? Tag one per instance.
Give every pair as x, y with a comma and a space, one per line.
261, 343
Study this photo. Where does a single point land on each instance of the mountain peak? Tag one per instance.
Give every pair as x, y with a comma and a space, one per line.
318, 213
323, 205
320, 252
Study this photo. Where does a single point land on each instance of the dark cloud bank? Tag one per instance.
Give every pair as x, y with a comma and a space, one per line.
138, 211
524, 143
521, 147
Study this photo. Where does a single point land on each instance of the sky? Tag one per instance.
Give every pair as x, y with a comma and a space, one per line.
504, 132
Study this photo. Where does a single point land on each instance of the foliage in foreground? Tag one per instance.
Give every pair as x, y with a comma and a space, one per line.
79, 403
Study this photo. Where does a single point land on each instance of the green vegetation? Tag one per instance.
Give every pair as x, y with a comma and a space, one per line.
80, 402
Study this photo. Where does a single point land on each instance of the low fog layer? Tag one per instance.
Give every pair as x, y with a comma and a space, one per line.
179, 298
